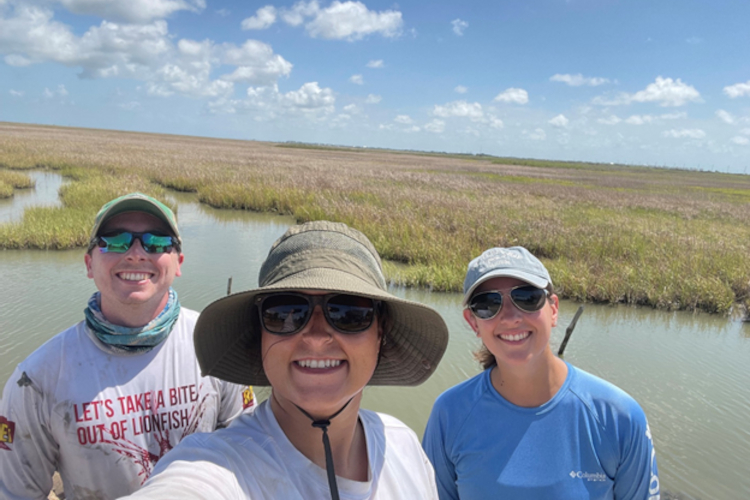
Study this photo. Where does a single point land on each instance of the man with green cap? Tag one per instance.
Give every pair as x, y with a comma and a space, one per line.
102, 401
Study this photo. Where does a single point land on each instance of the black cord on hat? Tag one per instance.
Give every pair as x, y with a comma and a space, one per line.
323, 425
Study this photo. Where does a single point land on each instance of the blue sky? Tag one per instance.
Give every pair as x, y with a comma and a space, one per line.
657, 82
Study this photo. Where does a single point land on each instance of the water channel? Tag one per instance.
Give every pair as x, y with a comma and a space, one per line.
688, 371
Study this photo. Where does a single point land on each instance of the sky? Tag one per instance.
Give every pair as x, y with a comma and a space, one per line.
648, 82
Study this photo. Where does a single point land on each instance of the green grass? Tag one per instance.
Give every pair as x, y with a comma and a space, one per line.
670, 239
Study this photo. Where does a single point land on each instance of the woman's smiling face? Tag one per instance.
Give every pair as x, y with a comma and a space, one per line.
513, 336
319, 368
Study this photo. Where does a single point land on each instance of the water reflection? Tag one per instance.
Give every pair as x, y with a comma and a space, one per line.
44, 194
688, 371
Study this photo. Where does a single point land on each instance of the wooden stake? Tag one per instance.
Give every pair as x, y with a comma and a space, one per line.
569, 331
229, 286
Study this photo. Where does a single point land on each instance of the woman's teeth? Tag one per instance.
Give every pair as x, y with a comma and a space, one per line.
322, 363
516, 337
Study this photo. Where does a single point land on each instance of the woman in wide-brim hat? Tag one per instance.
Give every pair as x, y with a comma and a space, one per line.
320, 327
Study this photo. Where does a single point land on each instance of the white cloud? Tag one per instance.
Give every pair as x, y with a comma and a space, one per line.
578, 79
309, 96
343, 20
373, 99
693, 133
460, 109
559, 121
223, 12
358, 79
643, 119
132, 11
459, 26
129, 106
738, 89
264, 18
518, 96
17, 93
495, 122
725, 116
256, 63
375, 63
537, 135
405, 119
17, 60
742, 141
352, 109
745, 131
460, 89
266, 103
639, 119
145, 52
435, 126
667, 92
61, 91
610, 120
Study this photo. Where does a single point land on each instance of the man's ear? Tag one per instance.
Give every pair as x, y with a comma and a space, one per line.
87, 261
180, 260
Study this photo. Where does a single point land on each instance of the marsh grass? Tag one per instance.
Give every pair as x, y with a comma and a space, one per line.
10, 181
670, 239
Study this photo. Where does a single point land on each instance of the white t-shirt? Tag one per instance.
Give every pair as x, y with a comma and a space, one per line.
253, 458
103, 419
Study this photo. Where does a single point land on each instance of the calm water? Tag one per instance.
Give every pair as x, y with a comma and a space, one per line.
688, 371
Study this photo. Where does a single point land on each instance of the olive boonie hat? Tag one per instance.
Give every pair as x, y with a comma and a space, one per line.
134, 202
513, 262
331, 257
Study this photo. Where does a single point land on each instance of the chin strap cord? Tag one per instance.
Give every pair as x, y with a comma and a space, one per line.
323, 425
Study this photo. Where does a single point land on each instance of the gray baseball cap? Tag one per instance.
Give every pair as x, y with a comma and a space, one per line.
513, 262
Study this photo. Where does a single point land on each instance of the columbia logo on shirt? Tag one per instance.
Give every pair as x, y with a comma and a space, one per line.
588, 476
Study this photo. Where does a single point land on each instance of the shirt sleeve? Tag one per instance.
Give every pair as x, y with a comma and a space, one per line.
235, 400
28, 451
434, 444
637, 477
192, 470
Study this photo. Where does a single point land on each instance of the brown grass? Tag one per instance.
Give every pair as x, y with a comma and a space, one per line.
671, 239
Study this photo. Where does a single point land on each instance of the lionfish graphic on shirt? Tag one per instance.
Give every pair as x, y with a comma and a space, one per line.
144, 457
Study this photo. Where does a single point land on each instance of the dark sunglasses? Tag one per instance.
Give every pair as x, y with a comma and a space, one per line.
527, 298
286, 313
151, 243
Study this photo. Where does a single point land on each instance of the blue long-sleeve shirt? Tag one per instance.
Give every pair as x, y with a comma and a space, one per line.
591, 440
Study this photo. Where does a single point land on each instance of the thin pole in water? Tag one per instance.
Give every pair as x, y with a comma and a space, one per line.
229, 286
569, 331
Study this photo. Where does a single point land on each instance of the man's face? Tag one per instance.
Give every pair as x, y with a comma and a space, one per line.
134, 285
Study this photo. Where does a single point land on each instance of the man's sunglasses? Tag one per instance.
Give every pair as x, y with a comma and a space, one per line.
527, 298
151, 243
286, 313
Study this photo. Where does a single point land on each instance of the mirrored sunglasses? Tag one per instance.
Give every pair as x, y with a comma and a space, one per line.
286, 313
527, 298
151, 243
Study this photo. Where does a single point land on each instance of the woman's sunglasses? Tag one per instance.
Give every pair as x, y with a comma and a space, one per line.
286, 313
151, 243
527, 298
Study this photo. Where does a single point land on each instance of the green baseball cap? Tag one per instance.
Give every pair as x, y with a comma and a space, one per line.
135, 202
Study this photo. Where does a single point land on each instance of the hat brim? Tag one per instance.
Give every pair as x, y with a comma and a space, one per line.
417, 336
506, 273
